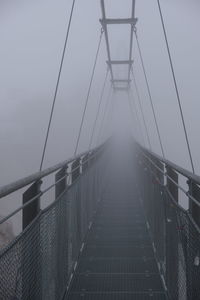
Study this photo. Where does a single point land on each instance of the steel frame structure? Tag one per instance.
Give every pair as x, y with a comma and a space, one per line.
108, 21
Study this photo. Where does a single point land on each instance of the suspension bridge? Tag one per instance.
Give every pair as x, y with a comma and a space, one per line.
114, 230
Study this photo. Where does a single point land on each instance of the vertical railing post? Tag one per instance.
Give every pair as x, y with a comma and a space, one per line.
193, 254
141, 176
61, 236
158, 210
31, 211
89, 185
75, 173
194, 209
84, 163
172, 259
172, 187
75, 169
31, 260
61, 181
84, 169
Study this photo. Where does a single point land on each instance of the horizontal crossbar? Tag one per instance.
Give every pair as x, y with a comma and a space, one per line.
120, 62
121, 80
131, 21
121, 88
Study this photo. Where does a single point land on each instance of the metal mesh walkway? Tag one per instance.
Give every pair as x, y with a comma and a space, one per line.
117, 260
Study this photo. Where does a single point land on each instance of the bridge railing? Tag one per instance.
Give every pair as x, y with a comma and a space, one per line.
38, 263
174, 230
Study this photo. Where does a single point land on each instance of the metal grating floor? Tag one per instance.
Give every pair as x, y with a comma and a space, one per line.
117, 261
116, 282
118, 265
117, 296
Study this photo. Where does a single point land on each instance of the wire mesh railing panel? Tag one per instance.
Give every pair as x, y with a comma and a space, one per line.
54, 236
20, 265
39, 262
174, 233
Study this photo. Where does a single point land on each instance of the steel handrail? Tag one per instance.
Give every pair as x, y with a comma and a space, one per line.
186, 173
23, 182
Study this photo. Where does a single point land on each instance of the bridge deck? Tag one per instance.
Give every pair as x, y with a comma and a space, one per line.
117, 261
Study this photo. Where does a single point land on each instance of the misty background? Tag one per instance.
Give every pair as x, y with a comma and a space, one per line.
31, 41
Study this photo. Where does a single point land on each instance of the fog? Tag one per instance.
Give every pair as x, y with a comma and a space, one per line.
31, 40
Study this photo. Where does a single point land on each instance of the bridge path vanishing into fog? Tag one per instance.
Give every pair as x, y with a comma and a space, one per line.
115, 229
113, 226
117, 258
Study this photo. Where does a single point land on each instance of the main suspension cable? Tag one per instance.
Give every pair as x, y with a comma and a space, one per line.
88, 93
175, 85
141, 108
57, 85
98, 110
149, 92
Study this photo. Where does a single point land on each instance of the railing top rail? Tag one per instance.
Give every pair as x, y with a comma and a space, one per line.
23, 182
177, 168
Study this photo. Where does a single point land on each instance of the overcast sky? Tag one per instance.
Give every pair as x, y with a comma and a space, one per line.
31, 40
